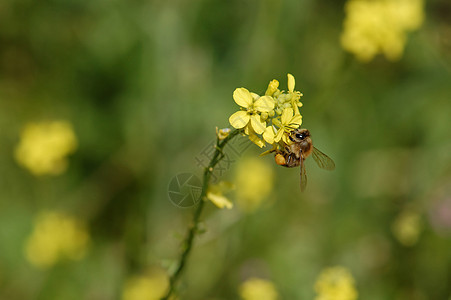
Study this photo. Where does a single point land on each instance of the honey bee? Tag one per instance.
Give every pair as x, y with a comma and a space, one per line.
294, 154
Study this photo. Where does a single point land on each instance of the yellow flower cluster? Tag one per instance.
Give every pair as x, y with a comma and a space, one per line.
43, 147
380, 26
258, 289
335, 283
149, 286
56, 236
407, 227
268, 118
254, 182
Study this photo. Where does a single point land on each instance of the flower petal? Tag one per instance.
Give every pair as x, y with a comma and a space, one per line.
278, 135
291, 82
287, 114
239, 119
256, 140
255, 96
268, 135
242, 97
264, 104
219, 200
258, 126
285, 138
297, 119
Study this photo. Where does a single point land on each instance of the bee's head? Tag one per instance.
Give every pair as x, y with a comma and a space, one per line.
298, 135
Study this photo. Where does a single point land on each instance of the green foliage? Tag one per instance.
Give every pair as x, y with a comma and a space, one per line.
145, 83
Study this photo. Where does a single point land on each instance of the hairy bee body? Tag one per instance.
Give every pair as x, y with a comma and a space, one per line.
294, 154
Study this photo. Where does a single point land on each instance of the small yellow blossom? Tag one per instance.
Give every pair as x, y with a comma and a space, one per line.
294, 95
407, 227
150, 286
258, 289
44, 146
254, 182
253, 107
222, 134
288, 122
272, 87
335, 283
215, 194
56, 236
380, 26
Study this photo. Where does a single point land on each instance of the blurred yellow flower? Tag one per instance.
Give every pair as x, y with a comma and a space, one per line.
258, 289
407, 227
43, 147
215, 194
150, 286
254, 182
379, 26
335, 283
56, 236
253, 105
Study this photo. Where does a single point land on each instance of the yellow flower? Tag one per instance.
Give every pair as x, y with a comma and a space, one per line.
379, 26
56, 236
215, 194
253, 105
295, 95
150, 286
268, 118
222, 134
407, 227
272, 87
258, 289
335, 283
43, 147
288, 122
254, 182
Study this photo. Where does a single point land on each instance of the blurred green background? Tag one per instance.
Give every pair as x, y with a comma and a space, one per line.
145, 83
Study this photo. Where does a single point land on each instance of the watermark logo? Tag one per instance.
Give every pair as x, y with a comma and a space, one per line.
184, 190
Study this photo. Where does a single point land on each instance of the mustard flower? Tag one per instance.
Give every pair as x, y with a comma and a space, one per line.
268, 119
295, 95
254, 181
288, 122
273, 86
222, 133
379, 26
335, 283
407, 227
215, 194
44, 147
149, 286
258, 289
253, 105
56, 236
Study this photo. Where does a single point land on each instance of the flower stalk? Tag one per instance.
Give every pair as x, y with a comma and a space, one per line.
193, 229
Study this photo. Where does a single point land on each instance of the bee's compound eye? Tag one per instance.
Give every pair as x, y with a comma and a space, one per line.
300, 136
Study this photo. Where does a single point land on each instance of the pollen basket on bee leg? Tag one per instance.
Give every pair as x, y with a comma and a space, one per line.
280, 159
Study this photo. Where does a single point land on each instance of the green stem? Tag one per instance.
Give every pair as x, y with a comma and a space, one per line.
217, 157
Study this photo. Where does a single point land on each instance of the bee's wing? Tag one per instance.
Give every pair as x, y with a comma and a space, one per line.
323, 161
303, 173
